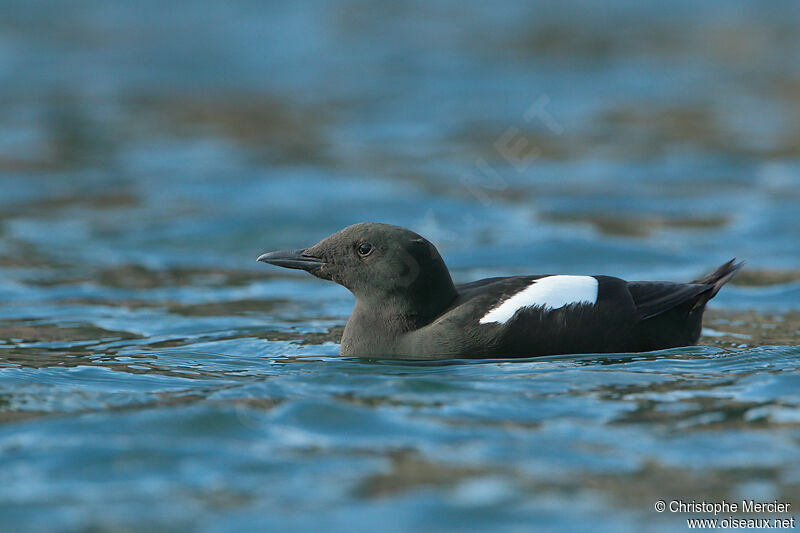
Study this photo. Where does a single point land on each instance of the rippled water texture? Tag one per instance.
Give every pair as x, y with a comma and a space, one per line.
154, 377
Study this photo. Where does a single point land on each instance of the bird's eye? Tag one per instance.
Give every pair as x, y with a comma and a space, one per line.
364, 249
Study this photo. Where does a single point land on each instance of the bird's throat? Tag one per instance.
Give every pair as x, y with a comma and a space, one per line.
378, 327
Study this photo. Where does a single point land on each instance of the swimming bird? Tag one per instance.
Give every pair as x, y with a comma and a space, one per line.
408, 307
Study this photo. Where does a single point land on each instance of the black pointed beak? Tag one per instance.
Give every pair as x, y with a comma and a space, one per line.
292, 259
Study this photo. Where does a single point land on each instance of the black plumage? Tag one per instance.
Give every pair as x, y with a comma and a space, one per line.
407, 305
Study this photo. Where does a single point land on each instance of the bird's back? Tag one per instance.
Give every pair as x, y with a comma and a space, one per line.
623, 317
603, 325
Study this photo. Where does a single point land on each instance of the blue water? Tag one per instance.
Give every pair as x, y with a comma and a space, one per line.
153, 376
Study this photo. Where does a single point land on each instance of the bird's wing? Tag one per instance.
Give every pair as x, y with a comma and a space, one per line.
654, 297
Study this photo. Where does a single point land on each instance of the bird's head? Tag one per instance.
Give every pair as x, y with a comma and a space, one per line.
374, 261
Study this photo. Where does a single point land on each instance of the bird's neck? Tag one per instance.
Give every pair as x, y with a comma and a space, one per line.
377, 324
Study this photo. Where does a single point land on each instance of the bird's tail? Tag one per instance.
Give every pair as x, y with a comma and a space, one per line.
720, 277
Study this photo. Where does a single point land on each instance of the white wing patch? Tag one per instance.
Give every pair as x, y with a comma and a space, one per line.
552, 292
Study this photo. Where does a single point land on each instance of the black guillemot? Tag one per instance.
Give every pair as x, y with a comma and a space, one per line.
407, 305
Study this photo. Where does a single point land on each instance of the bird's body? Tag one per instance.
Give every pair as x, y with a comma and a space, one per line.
408, 307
